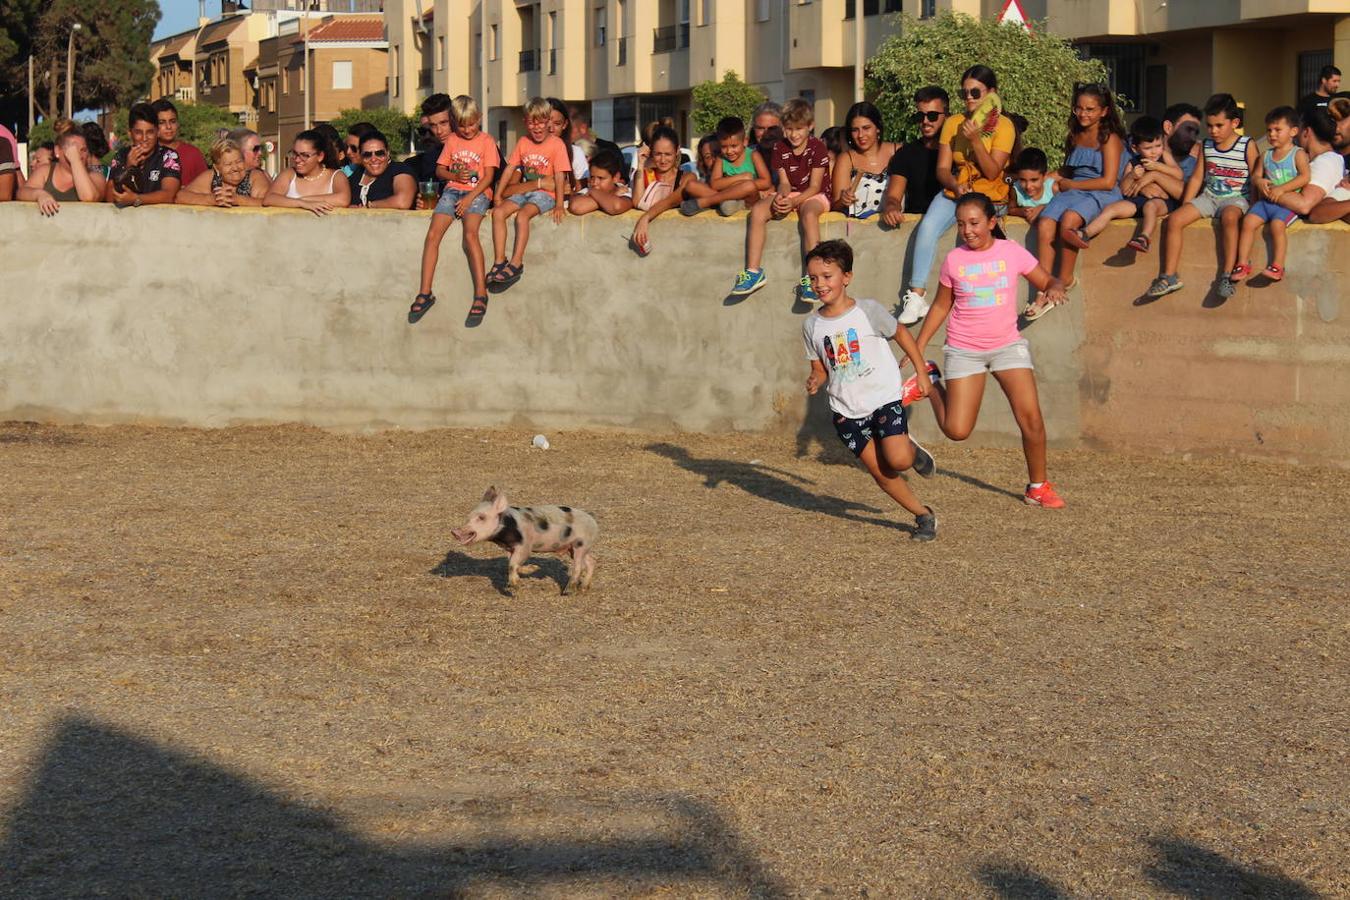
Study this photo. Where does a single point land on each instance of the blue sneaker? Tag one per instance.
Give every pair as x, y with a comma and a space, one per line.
804, 291
748, 282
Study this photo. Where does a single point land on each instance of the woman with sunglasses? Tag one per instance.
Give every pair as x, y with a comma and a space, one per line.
314, 180
228, 183
971, 157
251, 145
379, 182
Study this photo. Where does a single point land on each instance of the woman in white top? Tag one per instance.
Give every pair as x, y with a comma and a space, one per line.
560, 126
314, 181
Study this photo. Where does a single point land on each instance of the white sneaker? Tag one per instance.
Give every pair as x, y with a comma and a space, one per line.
913, 307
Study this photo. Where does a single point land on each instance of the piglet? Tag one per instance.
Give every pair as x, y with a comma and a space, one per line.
525, 530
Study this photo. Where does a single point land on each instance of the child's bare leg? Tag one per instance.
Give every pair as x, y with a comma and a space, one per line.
1068, 254
889, 480
580, 204
809, 214
740, 190
473, 249
698, 189
1153, 210
1230, 219
1045, 242
755, 235
1176, 224
431, 249
1019, 385
1278, 242
527, 212
504, 210
1251, 226
1121, 209
958, 406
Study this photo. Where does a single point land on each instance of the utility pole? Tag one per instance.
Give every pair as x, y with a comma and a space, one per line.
70, 70
306, 86
30, 94
858, 42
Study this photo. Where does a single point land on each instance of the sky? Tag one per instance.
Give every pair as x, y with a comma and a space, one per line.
180, 15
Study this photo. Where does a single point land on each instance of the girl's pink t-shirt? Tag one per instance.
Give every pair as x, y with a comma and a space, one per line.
468, 161
984, 294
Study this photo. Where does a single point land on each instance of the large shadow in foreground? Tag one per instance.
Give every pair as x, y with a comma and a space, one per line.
111, 814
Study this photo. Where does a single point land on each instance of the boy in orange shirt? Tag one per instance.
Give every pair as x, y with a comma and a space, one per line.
535, 182
468, 162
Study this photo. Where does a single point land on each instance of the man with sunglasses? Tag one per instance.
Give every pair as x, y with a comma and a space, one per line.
913, 183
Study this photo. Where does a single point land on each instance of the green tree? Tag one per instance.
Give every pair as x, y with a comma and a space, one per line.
714, 100
397, 127
1036, 73
199, 124
112, 67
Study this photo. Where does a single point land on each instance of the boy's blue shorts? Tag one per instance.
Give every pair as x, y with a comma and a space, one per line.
450, 199
542, 200
1272, 212
885, 421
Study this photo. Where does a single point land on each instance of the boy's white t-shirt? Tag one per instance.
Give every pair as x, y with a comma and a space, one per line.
1326, 171
855, 350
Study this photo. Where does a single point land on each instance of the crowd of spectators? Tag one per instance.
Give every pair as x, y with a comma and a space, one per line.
1196, 162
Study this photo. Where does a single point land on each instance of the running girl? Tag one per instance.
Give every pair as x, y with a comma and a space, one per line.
978, 287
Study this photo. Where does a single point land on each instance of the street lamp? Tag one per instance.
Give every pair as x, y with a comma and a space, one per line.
70, 69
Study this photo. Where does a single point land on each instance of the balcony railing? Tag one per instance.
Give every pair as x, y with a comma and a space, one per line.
529, 61
670, 37
623, 51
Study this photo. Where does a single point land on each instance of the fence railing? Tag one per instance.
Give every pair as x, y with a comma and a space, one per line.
529, 61
670, 37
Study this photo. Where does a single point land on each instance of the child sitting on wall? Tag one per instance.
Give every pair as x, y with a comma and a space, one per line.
1282, 170
737, 178
535, 182
608, 191
1033, 184
1138, 196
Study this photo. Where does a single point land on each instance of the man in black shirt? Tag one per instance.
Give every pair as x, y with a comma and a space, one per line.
1328, 83
146, 172
913, 169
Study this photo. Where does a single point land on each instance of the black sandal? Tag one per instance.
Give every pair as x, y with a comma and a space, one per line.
507, 276
495, 272
420, 306
478, 308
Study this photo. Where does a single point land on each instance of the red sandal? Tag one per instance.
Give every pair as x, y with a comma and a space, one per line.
1274, 272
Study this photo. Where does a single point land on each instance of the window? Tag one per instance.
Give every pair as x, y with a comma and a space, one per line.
552, 43
285, 81
1310, 65
398, 48
601, 24
762, 10
1125, 66
875, 7
927, 9
705, 12
440, 52
495, 50
478, 51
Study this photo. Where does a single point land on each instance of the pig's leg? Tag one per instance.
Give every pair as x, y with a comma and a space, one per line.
519, 554
587, 570
573, 572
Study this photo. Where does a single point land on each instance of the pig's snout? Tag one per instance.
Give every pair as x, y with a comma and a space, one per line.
464, 535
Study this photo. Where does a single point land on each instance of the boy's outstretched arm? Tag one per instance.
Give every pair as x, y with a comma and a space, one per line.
915, 356
816, 380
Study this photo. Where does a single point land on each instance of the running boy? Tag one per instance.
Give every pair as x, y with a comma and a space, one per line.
535, 182
606, 190
799, 164
1224, 172
846, 343
1033, 184
468, 163
1282, 171
978, 287
738, 178
1139, 197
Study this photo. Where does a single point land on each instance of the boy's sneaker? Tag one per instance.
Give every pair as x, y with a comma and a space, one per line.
748, 282
730, 207
1164, 285
1043, 496
690, 207
924, 464
804, 290
909, 392
1225, 287
925, 526
913, 307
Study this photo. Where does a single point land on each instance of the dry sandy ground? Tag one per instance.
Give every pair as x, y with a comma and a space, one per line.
249, 662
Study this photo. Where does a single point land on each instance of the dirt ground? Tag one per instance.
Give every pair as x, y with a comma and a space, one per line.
251, 662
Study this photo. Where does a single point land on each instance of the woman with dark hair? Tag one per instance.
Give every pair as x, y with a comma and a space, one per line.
1094, 159
314, 180
380, 182
973, 153
859, 182
658, 185
560, 125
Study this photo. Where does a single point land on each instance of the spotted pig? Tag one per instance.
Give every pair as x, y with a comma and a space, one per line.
525, 530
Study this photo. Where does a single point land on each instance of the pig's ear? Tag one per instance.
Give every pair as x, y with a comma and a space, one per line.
490, 494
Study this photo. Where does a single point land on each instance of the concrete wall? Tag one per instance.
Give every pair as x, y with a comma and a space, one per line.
208, 317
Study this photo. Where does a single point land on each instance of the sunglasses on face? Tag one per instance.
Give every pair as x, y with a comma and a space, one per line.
931, 115
257, 149
972, 94
374, 154
352, 148
300, 154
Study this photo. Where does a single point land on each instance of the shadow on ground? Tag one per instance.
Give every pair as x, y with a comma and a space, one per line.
111, 814
493, 568
769, 483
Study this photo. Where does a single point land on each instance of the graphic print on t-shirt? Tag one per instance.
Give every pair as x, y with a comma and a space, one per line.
464, 166
844, 353
984, 284
534, 166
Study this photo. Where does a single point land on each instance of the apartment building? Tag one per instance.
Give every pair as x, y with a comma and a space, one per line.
345, 68
174, 58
